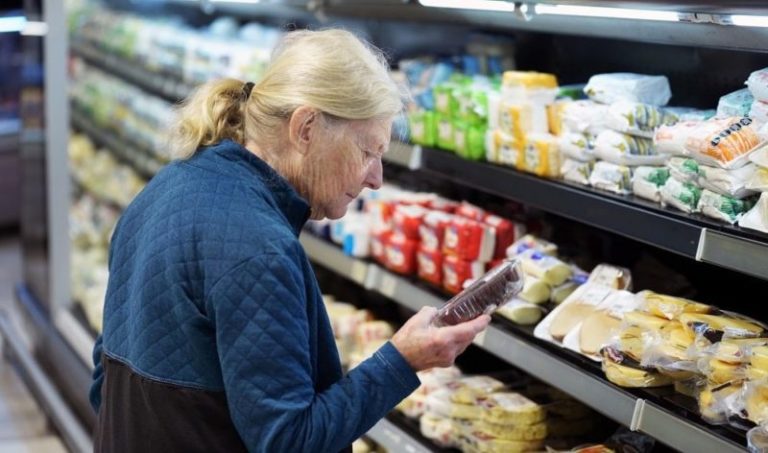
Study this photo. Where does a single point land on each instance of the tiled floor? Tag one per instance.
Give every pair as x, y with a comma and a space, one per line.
23, 426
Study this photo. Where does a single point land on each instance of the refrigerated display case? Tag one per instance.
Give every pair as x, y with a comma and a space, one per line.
701, 47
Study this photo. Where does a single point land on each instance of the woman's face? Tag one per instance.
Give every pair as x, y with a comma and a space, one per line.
345, 158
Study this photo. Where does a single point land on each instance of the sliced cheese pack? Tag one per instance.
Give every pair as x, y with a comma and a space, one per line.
714, 401
531, 242
511, 408
611, 276
714, 328
468, 389
507, 149
518, 432
624, 149
569, 314
668, 307
624, 374
440, 402
758, 182
737, 103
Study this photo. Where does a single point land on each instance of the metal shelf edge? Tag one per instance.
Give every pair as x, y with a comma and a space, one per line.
391, 437
76, 335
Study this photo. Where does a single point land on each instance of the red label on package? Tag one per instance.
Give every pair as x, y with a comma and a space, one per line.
378, 246
456, 271
401, 254
468, 240
470, 211
407, 220
430, 263
506, 233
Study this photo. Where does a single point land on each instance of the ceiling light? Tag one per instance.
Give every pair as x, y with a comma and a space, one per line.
482, 5
613, 13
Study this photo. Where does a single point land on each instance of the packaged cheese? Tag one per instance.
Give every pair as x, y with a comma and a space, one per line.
430, 265
507, 149
571, 312
576, 171
723, 142
511, 408
530, 242
760, 156
757, 439
445, 135
759, 112
440, 402
716, 327
518, 432
680, 195
668, 307
535, 291
757, 217
610, 88
521, 312
611, 177
671, 139
722, 207
611, 276
468, 390
546, 268
541, 156
469, 240
437, 428
625, 149
480, 442
647, 182
423, 127
629, 375
400, 254
737, 103
637, 118
757, 83
432, 230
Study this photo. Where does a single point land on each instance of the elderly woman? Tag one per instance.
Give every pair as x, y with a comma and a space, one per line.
215, 335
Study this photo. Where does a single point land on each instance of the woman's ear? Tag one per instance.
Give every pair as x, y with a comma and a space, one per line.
302, 125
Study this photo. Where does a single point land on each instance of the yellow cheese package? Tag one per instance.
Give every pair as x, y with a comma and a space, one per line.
438, 429
714, 328
521, 312
611, 276
670, 307
506, 149
541, 156
468, 389
545, 267
516, 119
725, 142
536, 431
535, 291
567, 316
756, 401
718, 372
669, 351
719, 402
623, 371
440, 402
479, 442
511, 408
757, 439
531, 242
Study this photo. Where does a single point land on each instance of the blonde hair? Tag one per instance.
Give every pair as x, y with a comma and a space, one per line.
330, 70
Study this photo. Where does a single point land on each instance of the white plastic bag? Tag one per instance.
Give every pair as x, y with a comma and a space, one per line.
757, 84
622, 86
625, 149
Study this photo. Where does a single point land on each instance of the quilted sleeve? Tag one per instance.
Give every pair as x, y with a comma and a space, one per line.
260, 316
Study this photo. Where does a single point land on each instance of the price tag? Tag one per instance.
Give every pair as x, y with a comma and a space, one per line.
388, 285
358, 272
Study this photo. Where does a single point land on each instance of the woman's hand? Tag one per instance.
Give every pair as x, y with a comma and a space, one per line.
425, 346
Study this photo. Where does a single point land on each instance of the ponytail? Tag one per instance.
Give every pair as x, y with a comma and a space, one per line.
213, 112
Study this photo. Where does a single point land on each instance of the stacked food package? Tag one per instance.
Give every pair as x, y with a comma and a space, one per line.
494, 414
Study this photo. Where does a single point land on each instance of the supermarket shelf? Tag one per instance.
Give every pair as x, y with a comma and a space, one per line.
137, 158
101, 198
165, 86
404, 155
518, 347
393, 438
692, 236
79, 338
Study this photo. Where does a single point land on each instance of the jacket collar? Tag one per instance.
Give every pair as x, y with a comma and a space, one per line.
295, 208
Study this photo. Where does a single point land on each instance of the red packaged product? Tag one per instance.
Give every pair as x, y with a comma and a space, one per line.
430, 264
401, 254
507, 232
456, 271
469, 240
432, 230
379, 243
407, 219
382, 212
471, 211
444, 204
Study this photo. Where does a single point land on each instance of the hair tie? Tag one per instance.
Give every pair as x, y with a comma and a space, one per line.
247, 88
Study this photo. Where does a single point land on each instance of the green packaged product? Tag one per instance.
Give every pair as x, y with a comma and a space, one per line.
445, 138
723, 207
423, 127
469, 140
446, 103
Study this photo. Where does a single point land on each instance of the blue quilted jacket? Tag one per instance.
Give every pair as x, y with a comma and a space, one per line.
215, 336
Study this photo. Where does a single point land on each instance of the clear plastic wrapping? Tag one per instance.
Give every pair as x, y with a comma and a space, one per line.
624, 149
757, 439
483, 296
637, 118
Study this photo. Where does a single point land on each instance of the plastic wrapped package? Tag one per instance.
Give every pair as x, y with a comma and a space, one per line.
430, 265
541, 156
680, 195
760, 156
535, 291
671, 139
757, 217
506, 233
759, 112
400, 254
484, 295
668, 352
647, 182
530, 242
414, 405
757, 439
625, 149
423, 127
624, 372
507, 150
715, 402
725, 142
561, 292
714, 328
684, 169
719, 372
511, 408
757, 83
469, 140
569, 314
432, 230
518, 432
440, 403
468, 390
638, 119
597, 329
584, 117
611, 276
690, 387
722, 207
479, 442
577, 172
457, 271
612, 178
737, 103
521, 312
758, 182
577, 146
546, 268
613, 87
436, 378
445, 136
732, 183
407, 220
438, 429
469, 240
669, 307
538, 87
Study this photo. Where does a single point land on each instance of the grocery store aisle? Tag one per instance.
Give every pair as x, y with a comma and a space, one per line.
23, 425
